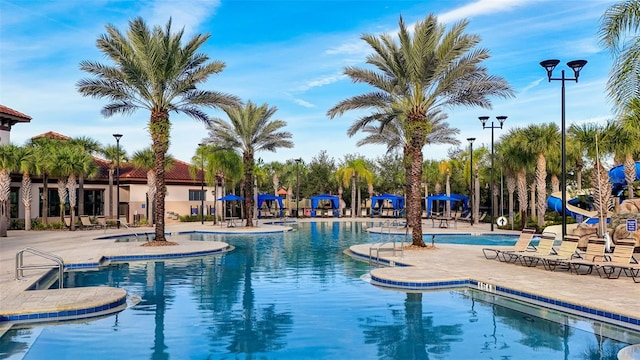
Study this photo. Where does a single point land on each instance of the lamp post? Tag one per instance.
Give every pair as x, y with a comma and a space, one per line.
298, 160
576, 66
117, 136
483, 120
201, 184
471, 140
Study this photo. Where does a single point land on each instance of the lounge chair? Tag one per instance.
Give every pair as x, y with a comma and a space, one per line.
87, 224
544, 248
523, 243
593, 256
466, 218
67, 221
568, 250
620, 260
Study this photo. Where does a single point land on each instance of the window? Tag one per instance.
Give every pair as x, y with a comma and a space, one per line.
93, 202
197, 195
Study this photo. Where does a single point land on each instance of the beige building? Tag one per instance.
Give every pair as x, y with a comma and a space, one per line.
185, 195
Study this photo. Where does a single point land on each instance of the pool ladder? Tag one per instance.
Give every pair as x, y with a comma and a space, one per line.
378, 247
20, 266
123, 223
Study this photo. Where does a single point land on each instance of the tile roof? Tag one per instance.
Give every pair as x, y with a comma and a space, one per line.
179, 172
13, 113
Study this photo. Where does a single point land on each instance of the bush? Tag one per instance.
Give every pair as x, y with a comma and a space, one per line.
195, 218
16, 224
58, 225
36, 224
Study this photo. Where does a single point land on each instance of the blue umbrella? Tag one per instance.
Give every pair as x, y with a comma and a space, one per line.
231, 197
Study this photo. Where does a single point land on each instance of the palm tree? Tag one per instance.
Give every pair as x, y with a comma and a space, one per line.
8, 163
222, 166
154, 71
92, 147
26, 160
624, 139
433, 69
249, 130
581, 140
71, 161
617, 33
392, 135
115, 155
350, 173
44, 164
542, 139
145, 160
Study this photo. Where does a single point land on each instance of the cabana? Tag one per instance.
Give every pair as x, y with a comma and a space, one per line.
332, 200
268, 199
443, 197
396, 209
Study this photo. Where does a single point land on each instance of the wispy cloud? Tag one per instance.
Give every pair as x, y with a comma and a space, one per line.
480, 7
183, 14
303, 103
321, 81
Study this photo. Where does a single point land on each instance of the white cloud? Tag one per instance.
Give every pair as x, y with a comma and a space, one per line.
303, 103
480, 7
321, 81
183, 14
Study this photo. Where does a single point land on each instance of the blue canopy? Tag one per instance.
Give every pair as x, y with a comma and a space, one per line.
444, 197
397, 202
334, 201
268, 198
231, 197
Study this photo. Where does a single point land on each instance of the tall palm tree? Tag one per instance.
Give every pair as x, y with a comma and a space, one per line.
27, 167
582, 144
515, 162
154, 71
8, 163
224, 167
145, 160
71, 161
115, 155
433, 69
624, 139
92, 147
249, 130
542, 139
44, 165
618, 33
392, 135
349, 175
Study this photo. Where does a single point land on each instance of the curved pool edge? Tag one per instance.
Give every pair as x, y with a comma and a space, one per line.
415, 274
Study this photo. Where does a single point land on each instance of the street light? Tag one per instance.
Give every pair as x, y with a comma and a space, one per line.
201, 184
298, 187
483, 120
471, 140
117, 136
576, 66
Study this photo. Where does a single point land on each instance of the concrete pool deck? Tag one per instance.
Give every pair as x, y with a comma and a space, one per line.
445, 263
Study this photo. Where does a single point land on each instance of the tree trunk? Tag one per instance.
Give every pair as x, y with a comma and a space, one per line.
111, 200
413, 202
541, 182
159, 127
353, 196
522, 196
476, 204
81, 195
447, 203
26, 200
247, 159
532, 189
45, 199
511, 189
629, 174
71, 190
5, 190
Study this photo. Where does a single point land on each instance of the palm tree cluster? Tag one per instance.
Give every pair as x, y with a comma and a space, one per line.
415, 77
69, 160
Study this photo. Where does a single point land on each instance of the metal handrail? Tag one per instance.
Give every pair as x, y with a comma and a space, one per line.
128, 228
379, 246
20, 267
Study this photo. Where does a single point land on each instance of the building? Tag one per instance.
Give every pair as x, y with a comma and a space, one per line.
185, 195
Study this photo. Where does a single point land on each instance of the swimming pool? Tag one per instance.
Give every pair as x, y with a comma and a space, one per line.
296, 296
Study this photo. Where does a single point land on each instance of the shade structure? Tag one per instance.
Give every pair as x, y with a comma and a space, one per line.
269, 198
334, 200
397, 204
282, 192
231, 197
444, 197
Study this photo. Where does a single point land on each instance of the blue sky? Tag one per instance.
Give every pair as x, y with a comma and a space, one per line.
291, 54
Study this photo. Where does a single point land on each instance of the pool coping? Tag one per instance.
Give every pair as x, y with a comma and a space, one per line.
54, 305
385, 279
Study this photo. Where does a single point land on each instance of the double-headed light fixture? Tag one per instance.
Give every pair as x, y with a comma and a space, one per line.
576, 66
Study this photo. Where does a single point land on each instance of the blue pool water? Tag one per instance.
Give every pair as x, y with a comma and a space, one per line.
297, 296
